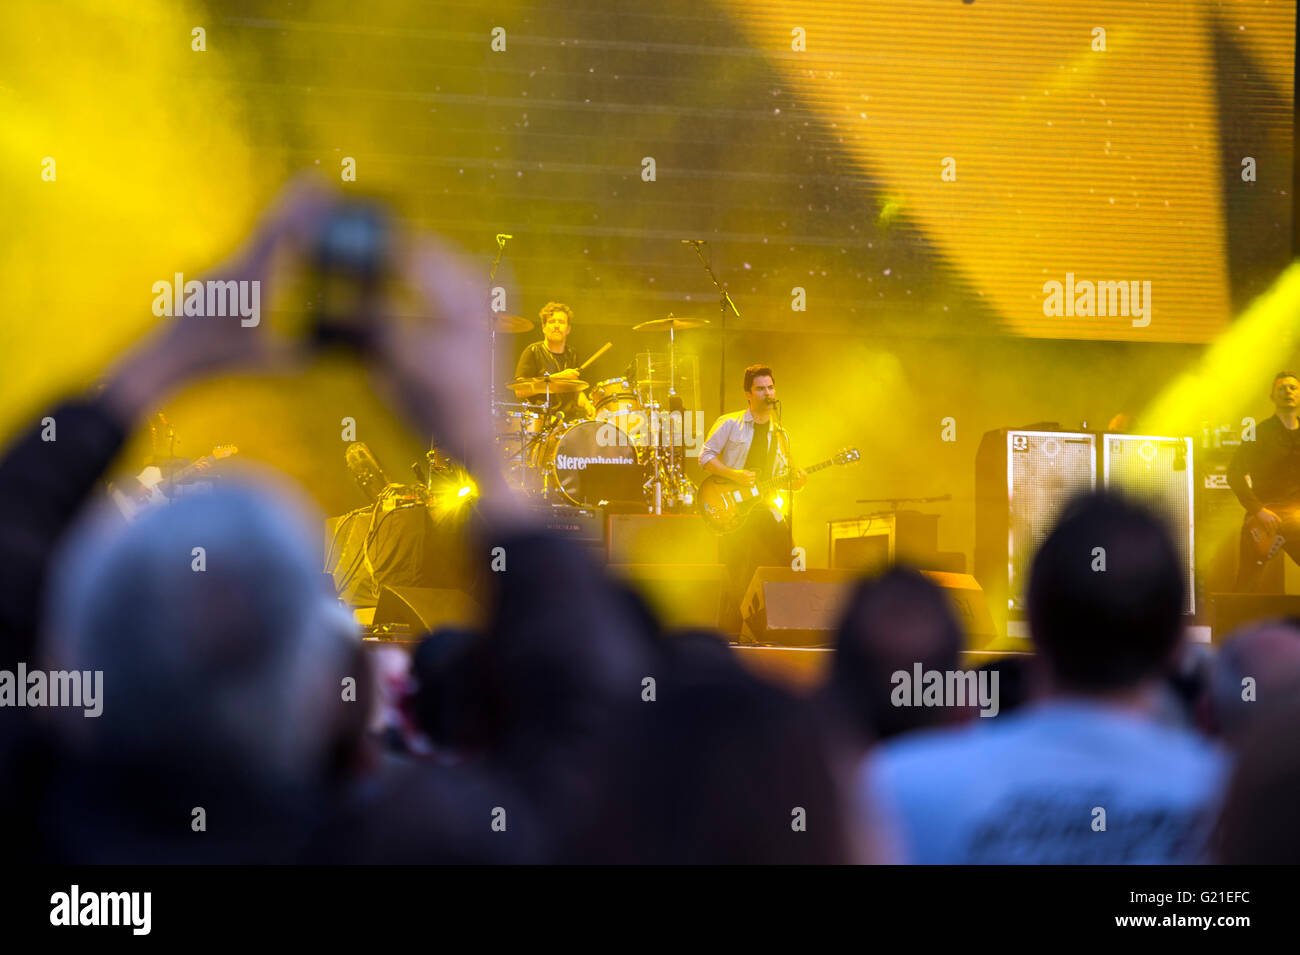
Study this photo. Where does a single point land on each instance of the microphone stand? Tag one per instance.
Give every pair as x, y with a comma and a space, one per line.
492, 325
724, 300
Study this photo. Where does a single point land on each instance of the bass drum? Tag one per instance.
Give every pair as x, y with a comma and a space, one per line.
589, 463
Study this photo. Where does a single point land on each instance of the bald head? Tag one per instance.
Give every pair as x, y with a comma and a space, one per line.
219, 644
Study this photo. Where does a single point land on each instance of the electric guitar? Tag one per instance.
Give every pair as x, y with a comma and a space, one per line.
145, 490
1265, 542
724, 504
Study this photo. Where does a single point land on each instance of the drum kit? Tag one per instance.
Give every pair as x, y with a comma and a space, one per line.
632, 451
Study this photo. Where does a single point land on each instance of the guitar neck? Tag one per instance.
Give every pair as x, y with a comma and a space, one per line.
811, 469
194, 466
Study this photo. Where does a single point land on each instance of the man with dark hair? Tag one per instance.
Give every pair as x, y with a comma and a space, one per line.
890, 623
1087, 774
1265, 476
553, 356
749, 447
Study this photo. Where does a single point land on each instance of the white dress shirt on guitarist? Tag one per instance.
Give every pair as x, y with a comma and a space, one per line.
729, 440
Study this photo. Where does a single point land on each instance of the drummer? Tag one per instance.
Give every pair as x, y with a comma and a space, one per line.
553, 356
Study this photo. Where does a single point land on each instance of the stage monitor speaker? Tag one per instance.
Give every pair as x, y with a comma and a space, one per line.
1229, 612
968, 605
1158, 473
426, 608
803, 608
1023, 480
795, 608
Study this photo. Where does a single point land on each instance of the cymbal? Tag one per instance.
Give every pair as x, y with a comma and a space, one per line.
511, 324
538, 387
673, 322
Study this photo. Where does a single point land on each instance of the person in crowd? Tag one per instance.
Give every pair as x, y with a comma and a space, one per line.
1259, 824
1254, 674
224, 662
1086, 774
719, 767
889, 624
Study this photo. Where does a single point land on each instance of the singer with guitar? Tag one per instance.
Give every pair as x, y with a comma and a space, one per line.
748, 447
1265, 476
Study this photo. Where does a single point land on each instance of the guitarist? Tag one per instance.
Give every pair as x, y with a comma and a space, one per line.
748, 447
1265, 476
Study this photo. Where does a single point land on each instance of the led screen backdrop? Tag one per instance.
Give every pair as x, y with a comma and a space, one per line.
885, 187
917, 167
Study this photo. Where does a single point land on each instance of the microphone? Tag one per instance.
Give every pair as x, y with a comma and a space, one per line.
502, 236
692, 241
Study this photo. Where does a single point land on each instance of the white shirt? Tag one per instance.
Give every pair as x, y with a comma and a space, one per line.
1025, 788
730, 437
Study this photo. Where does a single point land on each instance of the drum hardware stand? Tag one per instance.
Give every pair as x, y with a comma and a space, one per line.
653, 421
672, 400
665, 457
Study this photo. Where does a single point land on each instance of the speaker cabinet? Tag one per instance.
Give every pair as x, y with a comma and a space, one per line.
1023, 479
1158, 473
1231, 611
969, 605
802, 608
795, 608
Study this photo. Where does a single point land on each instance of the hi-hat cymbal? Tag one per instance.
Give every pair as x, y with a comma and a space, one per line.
539, 387
672, 321
511, 324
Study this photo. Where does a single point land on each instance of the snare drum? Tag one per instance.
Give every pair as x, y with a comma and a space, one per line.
588, 462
